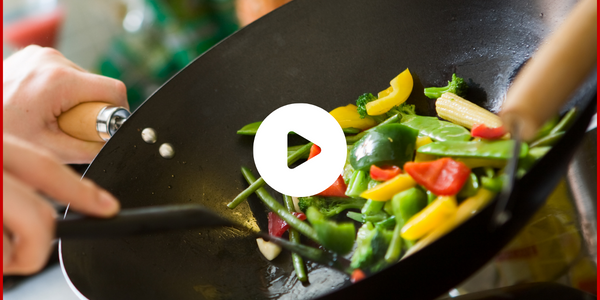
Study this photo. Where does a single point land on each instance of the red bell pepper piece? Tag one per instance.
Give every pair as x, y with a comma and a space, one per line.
357, 275
442, 177
482, 131
277, 226
337, 189
384, 173
314, 150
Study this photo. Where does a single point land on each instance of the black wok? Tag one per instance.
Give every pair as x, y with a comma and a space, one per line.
325, 53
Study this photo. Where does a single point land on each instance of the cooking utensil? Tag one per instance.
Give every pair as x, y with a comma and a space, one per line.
147, 220
554, 72
324, 53
143, 220
503, 205
93, 121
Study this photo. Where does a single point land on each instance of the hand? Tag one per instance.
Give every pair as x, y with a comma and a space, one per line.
40, 84
29, 220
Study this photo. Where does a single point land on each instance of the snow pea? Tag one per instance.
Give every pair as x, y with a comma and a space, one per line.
391, 145
436, 129
501, 149
249, 129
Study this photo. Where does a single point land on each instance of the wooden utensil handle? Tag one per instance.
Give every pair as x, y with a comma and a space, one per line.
80, 121
554, 72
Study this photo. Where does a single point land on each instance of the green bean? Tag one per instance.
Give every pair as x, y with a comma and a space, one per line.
279, 210
388, 223
297, 260
405, 205
261, 182
565, 122
393, 252
548, 140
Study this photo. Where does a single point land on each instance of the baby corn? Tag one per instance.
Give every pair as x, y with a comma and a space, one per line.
460, 111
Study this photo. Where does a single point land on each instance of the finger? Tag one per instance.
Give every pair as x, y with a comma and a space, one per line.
30, 221
69, 149
91, 87
45, 173
6, 248
56, 56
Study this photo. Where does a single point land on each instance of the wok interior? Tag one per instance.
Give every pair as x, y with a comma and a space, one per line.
325, 53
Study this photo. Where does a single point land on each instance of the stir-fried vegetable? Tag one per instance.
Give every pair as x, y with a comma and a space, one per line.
456, 86
399, 90
408, 179
337, 237
330, 206
387, 145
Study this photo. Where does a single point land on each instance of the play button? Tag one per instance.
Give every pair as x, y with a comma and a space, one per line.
312, 123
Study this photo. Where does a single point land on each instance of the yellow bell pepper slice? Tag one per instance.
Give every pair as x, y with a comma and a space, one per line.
401, 88
465, 210
385, 92
432, 216
385, 191
421, 157
348, 117
473, 204
422, 141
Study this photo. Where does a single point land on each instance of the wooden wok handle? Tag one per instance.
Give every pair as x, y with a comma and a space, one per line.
553, 73
92, 121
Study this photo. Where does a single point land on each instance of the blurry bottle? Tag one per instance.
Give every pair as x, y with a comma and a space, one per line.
32, 22
548, 248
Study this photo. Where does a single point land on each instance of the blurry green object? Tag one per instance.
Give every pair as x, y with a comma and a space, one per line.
163, 36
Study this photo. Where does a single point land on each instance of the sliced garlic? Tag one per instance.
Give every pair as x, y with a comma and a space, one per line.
296, 207
268, 249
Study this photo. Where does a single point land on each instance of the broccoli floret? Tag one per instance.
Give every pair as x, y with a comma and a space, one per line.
372, 243
403, 109
330, 206
457, 86
361, 103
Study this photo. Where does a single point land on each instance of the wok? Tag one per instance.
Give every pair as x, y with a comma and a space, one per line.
324, 53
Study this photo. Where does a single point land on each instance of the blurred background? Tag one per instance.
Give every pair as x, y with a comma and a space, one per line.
145, 42
141, 42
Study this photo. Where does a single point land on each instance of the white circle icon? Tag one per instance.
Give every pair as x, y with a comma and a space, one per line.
312, 123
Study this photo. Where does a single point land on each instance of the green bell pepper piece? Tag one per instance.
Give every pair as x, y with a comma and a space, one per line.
501, 149
436, 129
470, 187
493, 184
391, 144
430, 197
337, 237
405, 205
